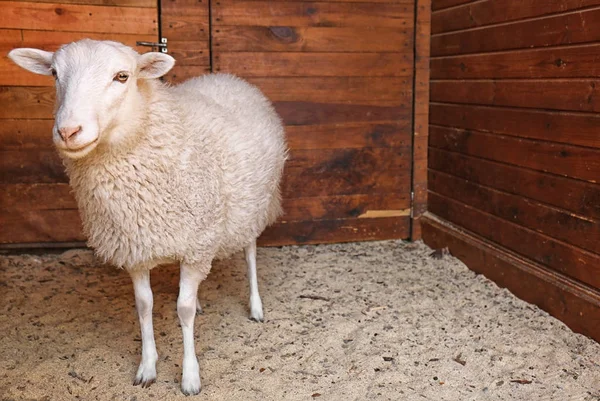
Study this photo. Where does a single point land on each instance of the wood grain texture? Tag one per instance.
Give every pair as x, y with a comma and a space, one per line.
557, 94
420, 115
283, 64
52, 225
31, 166
441, 4
29, 197
26, 102
26, 134
350, 135
565, 160
486, 12
557, 62
555, 223
557, 255
334, 231
78, 18
372, 91
580, 197
188, 53
118, 3
576, 305
269, 13
182, 73
312, 39
571, 128
582, 27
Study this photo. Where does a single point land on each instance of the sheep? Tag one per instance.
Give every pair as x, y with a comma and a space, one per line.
164, 174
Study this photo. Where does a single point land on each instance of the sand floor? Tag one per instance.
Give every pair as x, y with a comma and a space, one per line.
372, 321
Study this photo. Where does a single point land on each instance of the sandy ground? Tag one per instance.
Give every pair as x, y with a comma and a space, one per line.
381, 321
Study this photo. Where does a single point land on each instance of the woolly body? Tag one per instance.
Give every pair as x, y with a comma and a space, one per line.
200, 181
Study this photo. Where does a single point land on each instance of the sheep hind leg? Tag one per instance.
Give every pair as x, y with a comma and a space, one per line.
146, 374
186, 309
256, 309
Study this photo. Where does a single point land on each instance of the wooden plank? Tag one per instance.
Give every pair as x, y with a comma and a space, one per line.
189, 53
13, 75
188, 28
117, 3
270, 64
565, 160
79, 18
26, 102
335, 231
441, 4
486, 12
306, 113
557, 94
33, 197
576, 305
52, 225
376, 91
269, 13
312, 39
557, 62
181, 73
328, 172
339, 207
555, 223
184, 8
350, 135
572, 128
579, 197
421, 115
564, 29
26, 134
30, 167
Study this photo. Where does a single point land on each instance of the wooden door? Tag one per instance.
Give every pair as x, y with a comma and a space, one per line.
36, 206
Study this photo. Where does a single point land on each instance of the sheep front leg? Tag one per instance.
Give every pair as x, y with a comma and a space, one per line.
186, 309
256, 309
146, 374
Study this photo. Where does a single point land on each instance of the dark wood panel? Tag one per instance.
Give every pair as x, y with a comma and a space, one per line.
187, 28
576, 305
26, 134
305, 113
572, 128
52, 225
347, 206
185, 8
555, 62
441, 4
30, 197
350, 135
555, 223
118, 3
375, 91
268, 13
576, 196
79, 18
420, 115
190, 53
582, 27
558, 256
26, 102
557, 94
13, 75
565, 160
31, 166
333, 231
312, 39
327, 172
487, 12
271, 64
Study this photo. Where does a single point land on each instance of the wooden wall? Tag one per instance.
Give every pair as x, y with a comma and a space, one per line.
514, 150
35, 201
340, 73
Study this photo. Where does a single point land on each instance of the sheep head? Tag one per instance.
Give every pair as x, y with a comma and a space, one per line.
97, 90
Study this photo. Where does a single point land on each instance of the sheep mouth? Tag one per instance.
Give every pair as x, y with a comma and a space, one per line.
73, 152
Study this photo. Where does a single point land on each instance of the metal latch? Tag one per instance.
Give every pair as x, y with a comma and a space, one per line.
162, 45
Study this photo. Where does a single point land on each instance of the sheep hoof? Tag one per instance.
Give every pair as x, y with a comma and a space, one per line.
146, 375
190, 385
256, 315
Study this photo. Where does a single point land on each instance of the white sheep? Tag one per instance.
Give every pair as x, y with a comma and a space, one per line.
162, 174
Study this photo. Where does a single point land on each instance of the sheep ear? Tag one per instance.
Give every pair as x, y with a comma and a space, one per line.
154, 65
34, 60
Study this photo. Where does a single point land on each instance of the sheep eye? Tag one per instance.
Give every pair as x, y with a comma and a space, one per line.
53, 71
122, 77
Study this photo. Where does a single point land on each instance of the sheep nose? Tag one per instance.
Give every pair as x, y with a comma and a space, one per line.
67, 133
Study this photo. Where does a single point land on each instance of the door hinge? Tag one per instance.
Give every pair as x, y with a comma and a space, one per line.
162, 45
